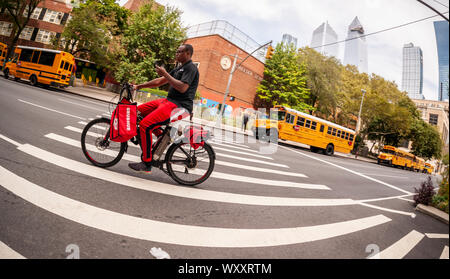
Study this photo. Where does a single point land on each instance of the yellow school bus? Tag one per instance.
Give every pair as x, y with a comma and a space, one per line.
41, 66
419, 164
321, 135
391, 156
3, 50
428, 168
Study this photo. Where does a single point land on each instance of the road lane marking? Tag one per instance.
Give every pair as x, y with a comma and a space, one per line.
401, 248
384, 199
251, 160
235, 147
215, 174
49, 109
412, 215
186, 235
444, 255
7, 253
173, 190
242, 153
10, 140
84, 106
218, 162
436, 235
402, 177
349, 170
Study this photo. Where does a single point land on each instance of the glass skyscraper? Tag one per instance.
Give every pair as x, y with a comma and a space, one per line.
324, 35
412, 74
356, 47
441, 31
289, 39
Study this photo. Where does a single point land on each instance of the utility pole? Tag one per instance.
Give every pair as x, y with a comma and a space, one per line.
358, 125
233, 69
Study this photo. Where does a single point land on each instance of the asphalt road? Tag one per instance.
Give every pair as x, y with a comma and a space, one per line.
288, 204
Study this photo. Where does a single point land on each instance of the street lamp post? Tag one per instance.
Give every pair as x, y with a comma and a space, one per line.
233, 69
358, 125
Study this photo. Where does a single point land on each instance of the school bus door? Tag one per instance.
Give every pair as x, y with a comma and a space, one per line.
286, 127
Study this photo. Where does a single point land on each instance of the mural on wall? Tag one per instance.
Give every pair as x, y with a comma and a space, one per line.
214, 106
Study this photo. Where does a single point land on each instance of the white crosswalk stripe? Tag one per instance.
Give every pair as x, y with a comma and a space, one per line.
401, 248
218, 162
7, 253
215, 174
187, 235
444, 255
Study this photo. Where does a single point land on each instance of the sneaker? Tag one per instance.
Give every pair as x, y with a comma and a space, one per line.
141, 167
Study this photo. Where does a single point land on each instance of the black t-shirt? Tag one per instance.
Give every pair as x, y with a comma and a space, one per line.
187, 73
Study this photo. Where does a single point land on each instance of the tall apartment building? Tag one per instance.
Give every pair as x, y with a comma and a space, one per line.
289, 39
412, 73
47, 21
441, 30
356, 46
321, 37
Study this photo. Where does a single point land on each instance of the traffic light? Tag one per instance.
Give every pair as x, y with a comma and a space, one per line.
269, 52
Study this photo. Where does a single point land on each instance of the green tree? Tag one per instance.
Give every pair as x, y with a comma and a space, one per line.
19, 11
426, 140
323, 80
90, 33
284, 81
152, 37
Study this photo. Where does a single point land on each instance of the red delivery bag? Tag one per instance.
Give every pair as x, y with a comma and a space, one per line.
123, 121
196, 135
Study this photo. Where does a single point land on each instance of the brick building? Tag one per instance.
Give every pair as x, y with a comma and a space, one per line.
436, 113
215, 44
47, 20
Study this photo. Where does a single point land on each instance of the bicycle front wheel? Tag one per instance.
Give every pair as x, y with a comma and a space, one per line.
98, 147
188, 166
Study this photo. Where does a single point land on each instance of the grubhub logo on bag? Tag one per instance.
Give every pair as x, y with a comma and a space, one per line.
123, 122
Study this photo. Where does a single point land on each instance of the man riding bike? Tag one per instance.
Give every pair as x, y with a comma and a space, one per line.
183, 82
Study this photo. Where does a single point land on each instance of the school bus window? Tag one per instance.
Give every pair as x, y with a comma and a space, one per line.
62, 64
70, 68
346, 136
47, 58
329, 131
313, 125
300, 121
339, 133
280, 115
351, 137
308, 123
290, 118
334, 132
322, 128
66, 66
35, 56
343, 135
25, 55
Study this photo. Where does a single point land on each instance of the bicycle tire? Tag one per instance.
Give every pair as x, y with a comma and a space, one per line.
174, 174
89, 151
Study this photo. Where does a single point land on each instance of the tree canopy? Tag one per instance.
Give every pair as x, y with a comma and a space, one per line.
284, 81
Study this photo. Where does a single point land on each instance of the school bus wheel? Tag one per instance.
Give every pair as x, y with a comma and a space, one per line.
6, 73
329, 150
33, 80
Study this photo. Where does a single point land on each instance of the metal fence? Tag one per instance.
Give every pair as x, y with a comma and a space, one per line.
229, 32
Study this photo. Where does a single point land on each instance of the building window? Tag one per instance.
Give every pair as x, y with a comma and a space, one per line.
44, 36
5, 28
53, 16
34, 15
26, 33
433, 119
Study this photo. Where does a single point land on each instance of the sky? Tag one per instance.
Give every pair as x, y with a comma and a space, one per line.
265, 20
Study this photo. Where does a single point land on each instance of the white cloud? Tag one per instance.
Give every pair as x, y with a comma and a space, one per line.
266, 20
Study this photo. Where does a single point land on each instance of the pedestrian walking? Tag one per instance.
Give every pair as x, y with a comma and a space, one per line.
245, 121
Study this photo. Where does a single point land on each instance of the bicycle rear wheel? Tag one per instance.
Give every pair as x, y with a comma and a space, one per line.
188, 166
98, 147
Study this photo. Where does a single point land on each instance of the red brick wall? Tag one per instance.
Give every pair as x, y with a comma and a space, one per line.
208, 51
55, 6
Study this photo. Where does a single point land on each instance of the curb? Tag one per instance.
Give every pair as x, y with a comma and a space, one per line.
433, 212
